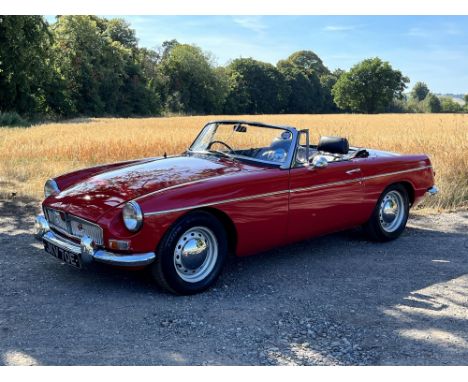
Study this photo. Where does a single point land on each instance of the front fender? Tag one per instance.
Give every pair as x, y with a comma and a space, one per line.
146, 239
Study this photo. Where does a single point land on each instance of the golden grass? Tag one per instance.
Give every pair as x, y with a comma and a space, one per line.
29, 156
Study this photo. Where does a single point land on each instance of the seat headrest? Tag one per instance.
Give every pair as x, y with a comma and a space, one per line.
334, 145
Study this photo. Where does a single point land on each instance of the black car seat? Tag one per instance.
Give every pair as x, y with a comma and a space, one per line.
333, 145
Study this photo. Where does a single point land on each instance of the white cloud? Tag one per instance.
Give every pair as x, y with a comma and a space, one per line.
252, 23
339, 28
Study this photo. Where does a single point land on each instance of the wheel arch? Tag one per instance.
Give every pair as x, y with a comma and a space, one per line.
222, 217
409, 189
228, 224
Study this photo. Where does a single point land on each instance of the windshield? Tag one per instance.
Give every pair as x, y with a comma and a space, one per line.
244, 141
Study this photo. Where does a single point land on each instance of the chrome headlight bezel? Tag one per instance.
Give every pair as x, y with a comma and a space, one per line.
132, 216
51, 188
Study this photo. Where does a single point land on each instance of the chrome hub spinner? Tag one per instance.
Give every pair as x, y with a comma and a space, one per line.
392, 211
195, 254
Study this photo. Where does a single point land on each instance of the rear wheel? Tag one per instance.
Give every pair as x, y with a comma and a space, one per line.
390, 214
191, 255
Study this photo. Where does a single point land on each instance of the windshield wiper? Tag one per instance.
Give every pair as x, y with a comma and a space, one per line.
222, 153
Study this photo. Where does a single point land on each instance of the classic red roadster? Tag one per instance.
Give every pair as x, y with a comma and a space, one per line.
241, 188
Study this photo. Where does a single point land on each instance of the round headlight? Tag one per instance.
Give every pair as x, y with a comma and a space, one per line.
132, 216
51, 188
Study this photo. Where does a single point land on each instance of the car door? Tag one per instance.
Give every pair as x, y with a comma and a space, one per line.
323, 200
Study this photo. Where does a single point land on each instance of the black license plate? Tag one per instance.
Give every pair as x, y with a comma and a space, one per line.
66, 256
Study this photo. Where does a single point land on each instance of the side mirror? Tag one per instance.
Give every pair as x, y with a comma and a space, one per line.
319, 161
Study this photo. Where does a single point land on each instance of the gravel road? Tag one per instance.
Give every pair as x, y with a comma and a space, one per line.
335, 300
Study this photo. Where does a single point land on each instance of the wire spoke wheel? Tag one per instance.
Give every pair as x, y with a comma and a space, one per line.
195, 254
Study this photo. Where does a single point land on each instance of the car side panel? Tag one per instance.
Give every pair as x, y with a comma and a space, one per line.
379, 173
261, 223
324, 200
256, 202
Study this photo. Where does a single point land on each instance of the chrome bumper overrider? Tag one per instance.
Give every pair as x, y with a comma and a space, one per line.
432, 190
86, 249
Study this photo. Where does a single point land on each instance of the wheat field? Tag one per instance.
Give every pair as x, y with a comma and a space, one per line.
30, 156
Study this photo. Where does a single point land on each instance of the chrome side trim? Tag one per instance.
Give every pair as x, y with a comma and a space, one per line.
396, 172
326, 185
361, 179
316, 187
244, 198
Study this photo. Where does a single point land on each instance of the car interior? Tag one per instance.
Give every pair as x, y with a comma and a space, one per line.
334, 149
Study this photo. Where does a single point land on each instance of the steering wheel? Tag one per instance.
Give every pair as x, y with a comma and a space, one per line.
221, 142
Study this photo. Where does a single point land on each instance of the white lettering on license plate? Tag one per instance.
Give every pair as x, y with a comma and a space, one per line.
61, 254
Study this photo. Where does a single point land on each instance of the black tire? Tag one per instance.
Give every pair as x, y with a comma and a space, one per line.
375, 227
164, 271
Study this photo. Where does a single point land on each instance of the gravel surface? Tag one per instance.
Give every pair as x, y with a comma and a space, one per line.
334, 300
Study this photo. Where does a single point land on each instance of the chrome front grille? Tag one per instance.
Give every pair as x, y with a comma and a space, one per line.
57, 219
81, 228
74, 226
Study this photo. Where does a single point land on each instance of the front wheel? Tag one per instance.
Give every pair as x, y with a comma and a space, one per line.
191, 255
390, 215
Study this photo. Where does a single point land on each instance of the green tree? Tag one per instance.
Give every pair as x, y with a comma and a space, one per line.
191, 82
24, 63
119, 30
255, 87
327, 82
167, 47
369, 87
420, 91
309, 83
308, 62
448, 105
104, 71
432, 104
304, 93
80, 48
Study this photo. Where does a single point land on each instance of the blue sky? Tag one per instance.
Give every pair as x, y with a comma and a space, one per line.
433, 49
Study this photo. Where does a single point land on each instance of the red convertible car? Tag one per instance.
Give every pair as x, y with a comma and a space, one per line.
241, 188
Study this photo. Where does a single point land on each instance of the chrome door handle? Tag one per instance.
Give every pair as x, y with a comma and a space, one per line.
354, 170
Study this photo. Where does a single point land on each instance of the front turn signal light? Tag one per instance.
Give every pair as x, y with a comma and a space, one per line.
121, 245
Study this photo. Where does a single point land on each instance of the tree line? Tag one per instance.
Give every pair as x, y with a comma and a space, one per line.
92, 66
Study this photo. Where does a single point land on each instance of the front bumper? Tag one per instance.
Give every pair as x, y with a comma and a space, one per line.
86, 249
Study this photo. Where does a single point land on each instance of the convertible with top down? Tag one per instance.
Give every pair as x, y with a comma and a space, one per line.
241, 188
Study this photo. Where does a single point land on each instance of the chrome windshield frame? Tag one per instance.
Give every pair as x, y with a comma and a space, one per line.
286, 165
